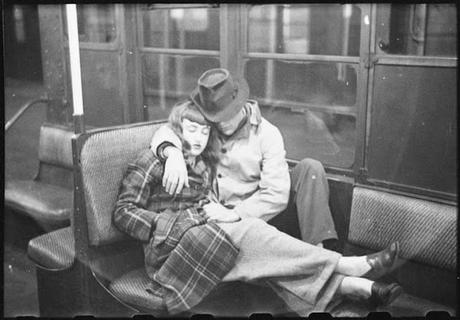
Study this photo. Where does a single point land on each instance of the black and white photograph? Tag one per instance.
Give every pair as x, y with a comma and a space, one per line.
230, 159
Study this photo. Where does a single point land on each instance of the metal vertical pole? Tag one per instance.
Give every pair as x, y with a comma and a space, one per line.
180, 73
75, 67
270, 63
347, 11
164, 63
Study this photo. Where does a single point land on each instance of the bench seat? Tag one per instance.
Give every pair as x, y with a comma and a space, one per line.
48, 197
131, 289
427, 233
54, 250
115, 266
235, 299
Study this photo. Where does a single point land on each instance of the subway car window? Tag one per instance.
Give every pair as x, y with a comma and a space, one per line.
96, 23
182, 28
330, 29
168, 79
313, 103
418, 29
413, 137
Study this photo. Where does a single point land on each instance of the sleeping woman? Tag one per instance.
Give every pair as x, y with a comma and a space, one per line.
187, 254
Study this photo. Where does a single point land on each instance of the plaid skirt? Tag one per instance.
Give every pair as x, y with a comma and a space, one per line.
186, 258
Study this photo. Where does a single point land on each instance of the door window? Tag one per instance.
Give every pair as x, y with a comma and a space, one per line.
417, 29
96, 23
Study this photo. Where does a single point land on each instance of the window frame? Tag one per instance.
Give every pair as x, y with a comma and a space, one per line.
162, 52
100, 46
358, 62
379, 10
377, 57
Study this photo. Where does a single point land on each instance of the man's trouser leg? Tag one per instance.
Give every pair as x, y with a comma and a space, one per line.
311, 196
302, 274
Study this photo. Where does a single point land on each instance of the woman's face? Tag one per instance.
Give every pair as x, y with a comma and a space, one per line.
196, 135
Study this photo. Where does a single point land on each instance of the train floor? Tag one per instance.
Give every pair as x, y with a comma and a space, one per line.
19, 273
21, 160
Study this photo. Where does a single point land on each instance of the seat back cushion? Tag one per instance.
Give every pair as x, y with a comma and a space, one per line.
427, 231
55, 145
104, 158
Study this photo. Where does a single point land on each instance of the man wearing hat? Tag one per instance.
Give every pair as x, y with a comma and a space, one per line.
253, 179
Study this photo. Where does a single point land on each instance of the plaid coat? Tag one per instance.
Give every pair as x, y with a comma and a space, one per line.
185, 256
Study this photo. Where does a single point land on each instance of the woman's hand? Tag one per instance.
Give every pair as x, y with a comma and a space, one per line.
175, 174
218, 213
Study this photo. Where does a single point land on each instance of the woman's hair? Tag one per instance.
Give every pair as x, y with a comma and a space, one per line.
188, 110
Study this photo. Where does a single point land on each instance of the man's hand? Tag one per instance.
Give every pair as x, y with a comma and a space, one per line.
218, 213
175, 174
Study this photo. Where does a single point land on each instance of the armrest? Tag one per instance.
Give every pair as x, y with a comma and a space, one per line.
23, 109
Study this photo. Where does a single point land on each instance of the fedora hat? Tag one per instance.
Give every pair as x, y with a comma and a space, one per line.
218, 96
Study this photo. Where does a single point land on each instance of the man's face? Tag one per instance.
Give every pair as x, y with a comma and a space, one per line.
196, 135
229, 127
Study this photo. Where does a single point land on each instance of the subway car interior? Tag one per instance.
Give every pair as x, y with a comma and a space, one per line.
367, 89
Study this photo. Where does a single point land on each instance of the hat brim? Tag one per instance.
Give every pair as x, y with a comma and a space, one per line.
230, 110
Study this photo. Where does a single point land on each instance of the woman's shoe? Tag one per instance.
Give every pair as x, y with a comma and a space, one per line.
384, 294
382, 262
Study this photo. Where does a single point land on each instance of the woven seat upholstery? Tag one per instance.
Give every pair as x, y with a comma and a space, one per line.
54, 250
104, 159
46, 203
131, 289
427, 231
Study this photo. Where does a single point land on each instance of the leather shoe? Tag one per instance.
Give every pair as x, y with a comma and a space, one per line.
382, 262
384, 294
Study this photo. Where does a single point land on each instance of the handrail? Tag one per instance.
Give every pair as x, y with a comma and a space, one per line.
23, 109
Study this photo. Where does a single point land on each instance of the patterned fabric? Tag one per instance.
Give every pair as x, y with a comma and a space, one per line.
427, 231
186, 256
142, 196
131, 289
54, 250
191, 257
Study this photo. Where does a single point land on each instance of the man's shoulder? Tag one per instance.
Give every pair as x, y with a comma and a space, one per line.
268, 127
